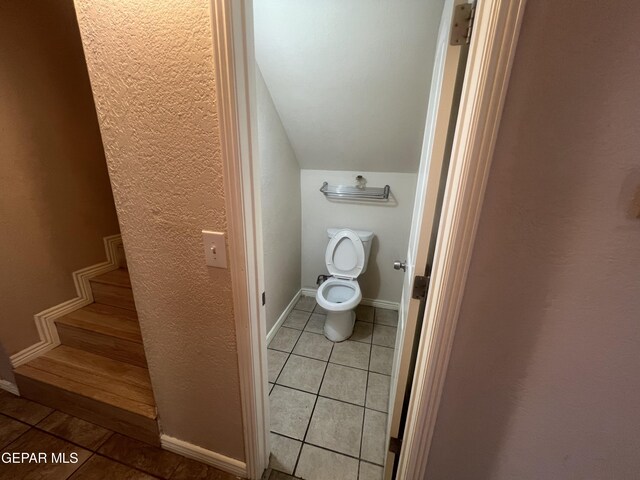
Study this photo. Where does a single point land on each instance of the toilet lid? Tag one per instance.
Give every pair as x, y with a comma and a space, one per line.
345, 255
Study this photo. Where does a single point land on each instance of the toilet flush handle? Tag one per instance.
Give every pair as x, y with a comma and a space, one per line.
398, 265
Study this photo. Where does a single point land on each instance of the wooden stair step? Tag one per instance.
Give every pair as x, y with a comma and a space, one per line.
113, 288
118, 277
114, 394
108, 331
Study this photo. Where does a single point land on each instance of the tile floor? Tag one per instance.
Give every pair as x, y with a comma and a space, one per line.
27, 426
329, 401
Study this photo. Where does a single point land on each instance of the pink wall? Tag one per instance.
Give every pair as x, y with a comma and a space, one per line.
544, 379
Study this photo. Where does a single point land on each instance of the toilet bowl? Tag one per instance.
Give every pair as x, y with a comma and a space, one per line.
346, 258
339, 298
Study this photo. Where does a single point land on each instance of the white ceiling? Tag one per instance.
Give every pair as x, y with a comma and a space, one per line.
349, 78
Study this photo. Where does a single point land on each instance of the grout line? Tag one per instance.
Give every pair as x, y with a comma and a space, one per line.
80, 467
317, 395
93, 452
75, 444
334, 363
289, 353
295, 468
315, 401
108, 437
295, 328
330, 398
366, 392
98, 454
341, 453
175, 469
275, 382
19, 436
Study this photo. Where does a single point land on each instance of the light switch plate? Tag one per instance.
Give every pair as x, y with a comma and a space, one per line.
215, 250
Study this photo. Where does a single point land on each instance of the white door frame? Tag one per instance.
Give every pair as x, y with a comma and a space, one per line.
497, 24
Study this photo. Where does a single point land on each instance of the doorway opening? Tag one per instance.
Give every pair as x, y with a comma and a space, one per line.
495, 31
355, 116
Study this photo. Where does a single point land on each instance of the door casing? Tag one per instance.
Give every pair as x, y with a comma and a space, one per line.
443, 103
495, 33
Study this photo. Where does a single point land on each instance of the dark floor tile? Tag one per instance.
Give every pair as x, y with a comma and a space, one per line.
10, 429
22, 409
140, 455
191, 470
36, 441
101, 468
85, 434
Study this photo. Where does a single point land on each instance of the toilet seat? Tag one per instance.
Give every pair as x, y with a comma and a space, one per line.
339, 294
345, 255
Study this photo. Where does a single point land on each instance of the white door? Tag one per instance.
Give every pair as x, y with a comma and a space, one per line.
443, 103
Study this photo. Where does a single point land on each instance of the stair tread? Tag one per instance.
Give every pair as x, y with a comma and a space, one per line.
105, 319
109, 381
118, 277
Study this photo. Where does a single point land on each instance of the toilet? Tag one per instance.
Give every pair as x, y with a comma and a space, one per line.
346, 257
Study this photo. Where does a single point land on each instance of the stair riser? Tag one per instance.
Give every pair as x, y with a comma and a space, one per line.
100, 344
108, 416
113, 295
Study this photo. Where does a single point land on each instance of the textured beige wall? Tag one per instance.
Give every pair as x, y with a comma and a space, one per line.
543, 381
55, 199
152, 73
280, 192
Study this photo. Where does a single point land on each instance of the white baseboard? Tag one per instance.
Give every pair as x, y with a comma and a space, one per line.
45, 319
311, 292
231, 465
9, 387
283, 317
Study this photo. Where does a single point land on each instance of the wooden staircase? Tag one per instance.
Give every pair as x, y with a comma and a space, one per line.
99, 371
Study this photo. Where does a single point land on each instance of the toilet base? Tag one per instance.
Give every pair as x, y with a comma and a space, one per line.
338, 326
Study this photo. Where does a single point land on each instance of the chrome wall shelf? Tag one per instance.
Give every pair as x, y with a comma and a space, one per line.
355, 192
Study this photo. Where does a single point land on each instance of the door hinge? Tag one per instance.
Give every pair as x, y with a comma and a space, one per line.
462, 24
264, 298
420, 287
395, 445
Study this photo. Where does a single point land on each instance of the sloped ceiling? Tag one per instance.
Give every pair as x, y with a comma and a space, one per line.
349, 78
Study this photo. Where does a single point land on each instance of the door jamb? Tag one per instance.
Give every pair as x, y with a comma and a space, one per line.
235, 98
496, 29
495, 35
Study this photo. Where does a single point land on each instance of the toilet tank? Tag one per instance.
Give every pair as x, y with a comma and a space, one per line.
365, 236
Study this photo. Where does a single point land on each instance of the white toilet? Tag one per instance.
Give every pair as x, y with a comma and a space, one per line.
346, 258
